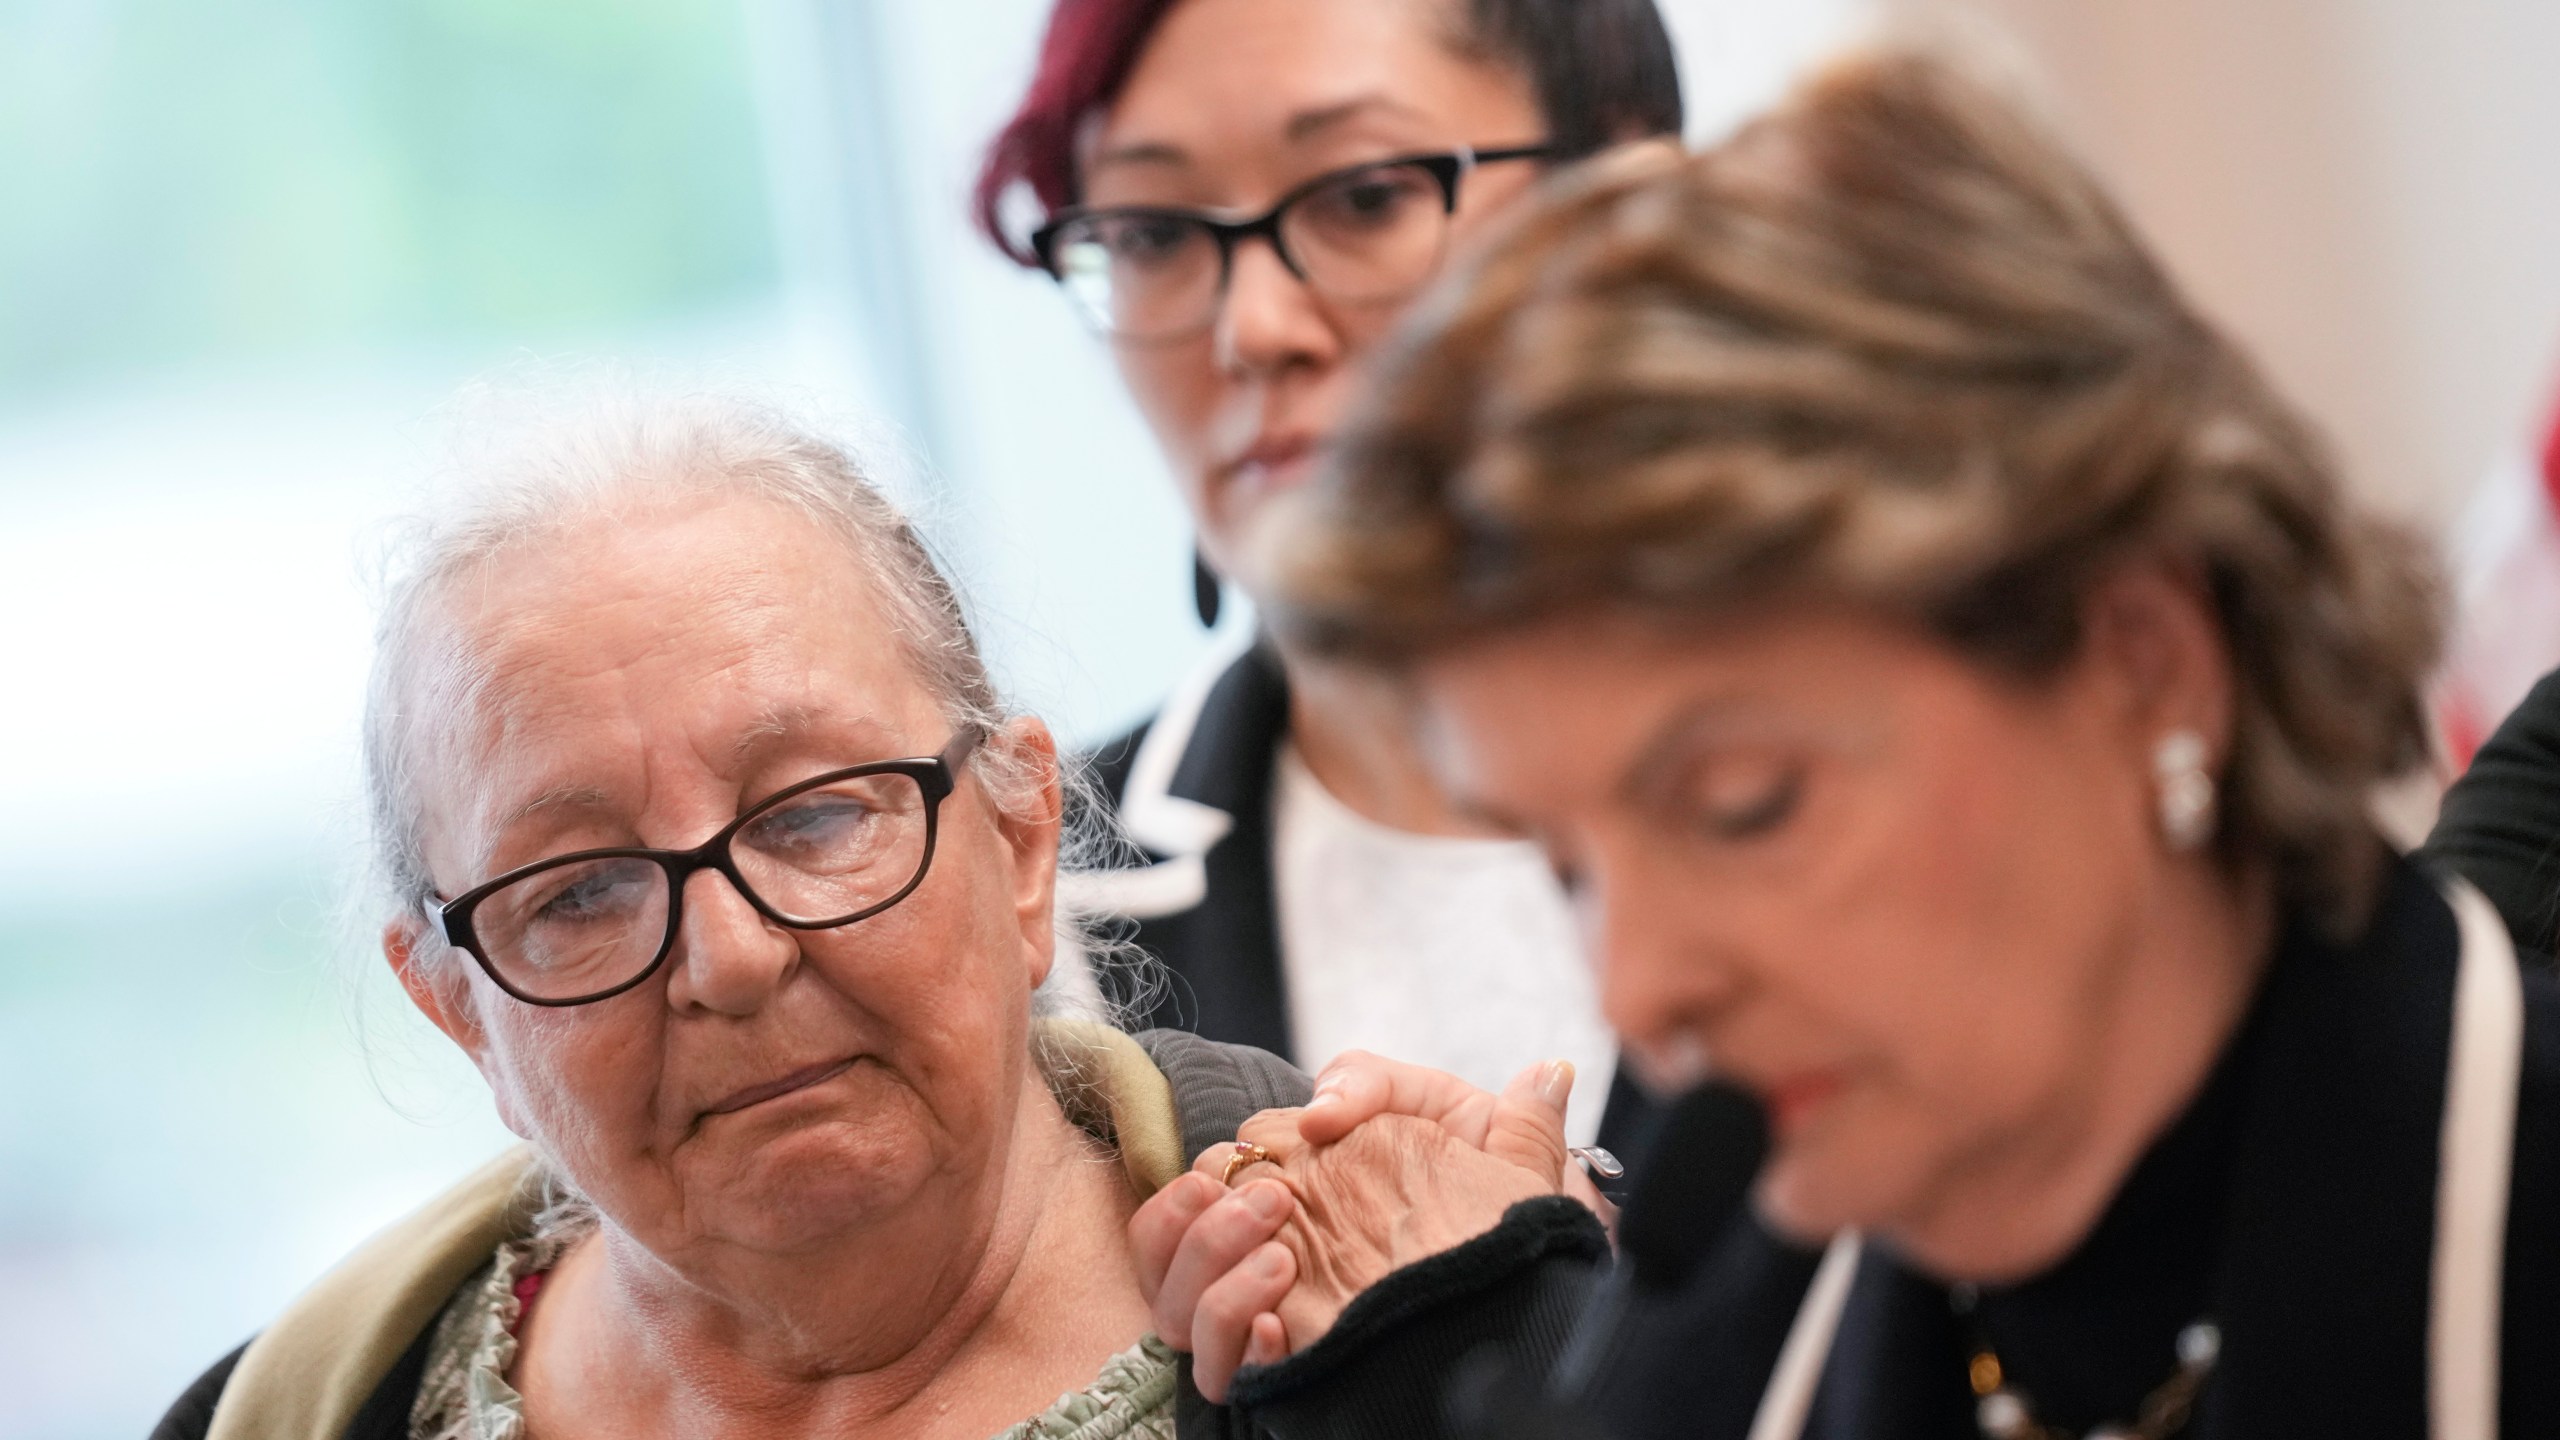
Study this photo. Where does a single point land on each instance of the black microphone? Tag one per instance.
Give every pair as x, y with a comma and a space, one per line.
1693, 1184
1699, 1159
1696, 1180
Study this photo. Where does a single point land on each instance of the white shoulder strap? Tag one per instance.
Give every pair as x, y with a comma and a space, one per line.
2477, 1153
1150, 812
1789, 1398
1151, 815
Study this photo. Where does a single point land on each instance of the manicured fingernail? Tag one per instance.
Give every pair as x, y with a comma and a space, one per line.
1324, 1098
1267, 1201
1555, 1083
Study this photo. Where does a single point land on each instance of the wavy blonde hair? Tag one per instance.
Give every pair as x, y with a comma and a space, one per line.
1890, 345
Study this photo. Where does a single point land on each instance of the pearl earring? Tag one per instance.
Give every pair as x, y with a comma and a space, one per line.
2189, 806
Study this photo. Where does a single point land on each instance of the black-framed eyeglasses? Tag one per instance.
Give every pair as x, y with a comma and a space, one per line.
1361, 234
831, 850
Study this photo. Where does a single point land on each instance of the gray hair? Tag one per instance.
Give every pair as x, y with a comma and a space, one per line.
532, 477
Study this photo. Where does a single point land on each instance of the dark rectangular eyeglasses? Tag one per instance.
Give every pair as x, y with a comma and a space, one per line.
1361, 234
831, 850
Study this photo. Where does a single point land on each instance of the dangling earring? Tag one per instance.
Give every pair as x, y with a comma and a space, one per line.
2189, 805
1206, 593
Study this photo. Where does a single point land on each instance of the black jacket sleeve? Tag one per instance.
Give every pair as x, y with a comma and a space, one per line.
1509, 1296
384, 1415
192, 1416
2500, 825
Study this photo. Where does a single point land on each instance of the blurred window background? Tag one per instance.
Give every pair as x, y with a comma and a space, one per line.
245, 250
248, 251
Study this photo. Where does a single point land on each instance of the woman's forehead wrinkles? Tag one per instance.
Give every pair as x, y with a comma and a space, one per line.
847, 735
553, 800
784, 723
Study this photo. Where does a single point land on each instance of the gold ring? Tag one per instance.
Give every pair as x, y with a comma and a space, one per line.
1247, 1153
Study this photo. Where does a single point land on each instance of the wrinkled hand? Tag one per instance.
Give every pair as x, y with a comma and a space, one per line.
1524, 1124
1389, 1164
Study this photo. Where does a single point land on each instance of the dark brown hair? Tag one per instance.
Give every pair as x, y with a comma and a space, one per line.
1890, 345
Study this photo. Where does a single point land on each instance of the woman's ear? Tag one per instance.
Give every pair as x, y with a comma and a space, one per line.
1031, 833
2155, 645
443, 995
446, 1004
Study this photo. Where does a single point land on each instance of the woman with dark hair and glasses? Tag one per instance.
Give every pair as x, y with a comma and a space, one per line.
704, 834
1241, 198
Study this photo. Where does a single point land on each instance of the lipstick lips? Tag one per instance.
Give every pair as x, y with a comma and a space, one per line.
800, 1079
1791, 1099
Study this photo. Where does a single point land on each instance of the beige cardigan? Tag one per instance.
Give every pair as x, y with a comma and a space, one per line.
306, 1375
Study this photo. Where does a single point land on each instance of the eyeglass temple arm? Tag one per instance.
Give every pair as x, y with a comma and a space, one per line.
956, 754
434, 909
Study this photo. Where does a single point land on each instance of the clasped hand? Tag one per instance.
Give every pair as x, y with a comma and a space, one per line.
1389, 1164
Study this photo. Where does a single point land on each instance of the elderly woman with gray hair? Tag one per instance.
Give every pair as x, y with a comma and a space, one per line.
714, 850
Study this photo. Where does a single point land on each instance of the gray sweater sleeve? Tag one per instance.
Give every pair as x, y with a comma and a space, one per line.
1217, 1087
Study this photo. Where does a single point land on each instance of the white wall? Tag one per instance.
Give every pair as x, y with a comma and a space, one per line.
1736, 56
2366, 191
1049, 496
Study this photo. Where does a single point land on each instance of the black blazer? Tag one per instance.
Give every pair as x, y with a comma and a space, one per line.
2325, 1199
1191, 790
